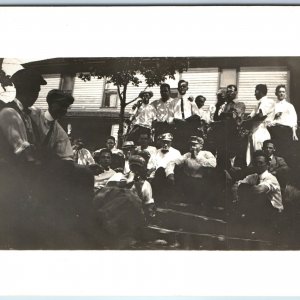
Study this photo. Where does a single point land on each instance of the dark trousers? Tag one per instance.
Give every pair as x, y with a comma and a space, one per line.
135, 133
283, 139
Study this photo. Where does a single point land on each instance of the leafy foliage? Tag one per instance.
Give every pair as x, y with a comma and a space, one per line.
124, 71
4, 79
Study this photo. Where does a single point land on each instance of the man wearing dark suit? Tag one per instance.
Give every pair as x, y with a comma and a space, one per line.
277, 165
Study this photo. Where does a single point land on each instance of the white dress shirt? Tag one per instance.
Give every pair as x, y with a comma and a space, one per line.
144, 115
189, 108
271, 182
163, 109
163, 158
288, 115
193, 166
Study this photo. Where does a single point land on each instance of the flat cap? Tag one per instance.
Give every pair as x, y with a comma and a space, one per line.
196, 140
137, 160
59, 96
167, 137
28, 77
128, 144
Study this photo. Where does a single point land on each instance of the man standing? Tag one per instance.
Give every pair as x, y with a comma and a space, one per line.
19, 163
229, 107
20, 135
185, 116
260, 117
163, 112
143, 117
283, 127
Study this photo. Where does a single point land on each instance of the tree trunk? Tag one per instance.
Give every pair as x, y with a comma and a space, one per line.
122, 114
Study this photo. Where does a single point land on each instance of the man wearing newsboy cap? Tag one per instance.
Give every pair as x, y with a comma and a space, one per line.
19, 162
16, 126
192, 171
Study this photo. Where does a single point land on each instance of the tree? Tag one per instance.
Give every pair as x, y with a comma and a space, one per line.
124, 71
4, 80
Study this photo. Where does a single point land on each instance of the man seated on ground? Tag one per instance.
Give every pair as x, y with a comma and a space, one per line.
259, 193
111, 145
103, 158
163, 156
143, 142
128, 149
277, 165
192, 172
82, 156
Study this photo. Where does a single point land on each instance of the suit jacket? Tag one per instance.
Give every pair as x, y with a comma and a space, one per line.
277, 164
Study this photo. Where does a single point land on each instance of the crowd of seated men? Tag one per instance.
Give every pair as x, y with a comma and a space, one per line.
174, 150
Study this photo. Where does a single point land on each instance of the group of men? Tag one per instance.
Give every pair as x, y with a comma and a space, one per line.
261, 143
174, 149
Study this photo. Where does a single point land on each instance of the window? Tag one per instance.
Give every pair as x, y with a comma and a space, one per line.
227, 77
174, 93
67, 83
110, 98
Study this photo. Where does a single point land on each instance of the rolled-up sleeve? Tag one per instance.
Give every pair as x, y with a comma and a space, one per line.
13, 129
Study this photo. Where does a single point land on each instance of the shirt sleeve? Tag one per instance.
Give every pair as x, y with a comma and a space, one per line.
267, 106
208, 159
171, 165
147, 193
13, 129
293, 116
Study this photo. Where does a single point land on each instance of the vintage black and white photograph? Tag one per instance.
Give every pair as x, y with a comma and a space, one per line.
150, 153
106, 149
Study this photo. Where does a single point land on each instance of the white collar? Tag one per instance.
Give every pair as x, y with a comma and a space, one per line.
19, 104
263, 175
281, 101
48, 116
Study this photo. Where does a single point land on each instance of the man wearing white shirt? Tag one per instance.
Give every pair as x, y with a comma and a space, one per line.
259, 193
143, 116
164, 115
192, 172
261, 117
283, 127
164, 155
185, 116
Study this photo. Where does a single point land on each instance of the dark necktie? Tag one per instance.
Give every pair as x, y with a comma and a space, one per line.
182, 109
258, 180
49, 134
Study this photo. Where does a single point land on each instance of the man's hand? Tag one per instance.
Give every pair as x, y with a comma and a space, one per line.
295, 138
278, 115
171, 179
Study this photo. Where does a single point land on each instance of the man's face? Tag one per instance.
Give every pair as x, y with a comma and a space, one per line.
258, 95
200, 102
110, 144
260, 164
196, 147
281, 94
143, 140
137, 169
30, 94
105, 160
183, 88
146, 98
128, 152
166, 145
231, 93
269, 149
58, 109
165, 93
